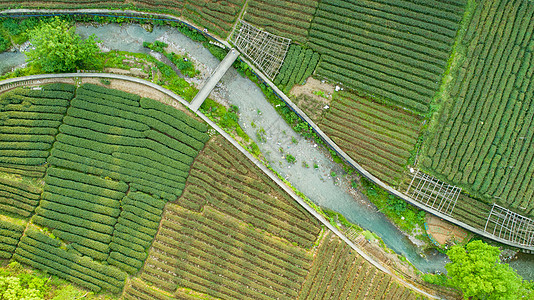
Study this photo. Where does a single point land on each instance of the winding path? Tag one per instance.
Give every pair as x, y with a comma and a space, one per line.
298, 111
43, 78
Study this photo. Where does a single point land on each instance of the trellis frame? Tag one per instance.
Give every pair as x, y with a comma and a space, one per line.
433, 193
510, 226
266, 50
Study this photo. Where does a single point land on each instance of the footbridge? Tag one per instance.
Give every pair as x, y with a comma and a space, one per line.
215, 77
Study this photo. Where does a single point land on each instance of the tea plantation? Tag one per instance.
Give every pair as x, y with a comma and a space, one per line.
131, 197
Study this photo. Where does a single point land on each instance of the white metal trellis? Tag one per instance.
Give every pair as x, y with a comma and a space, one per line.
510, 226
266, 50
433, 193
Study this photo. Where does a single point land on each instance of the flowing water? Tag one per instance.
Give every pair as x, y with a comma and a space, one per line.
259, 120
9, 60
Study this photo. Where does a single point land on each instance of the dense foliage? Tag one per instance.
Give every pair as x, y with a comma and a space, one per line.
482, 138
476, 271
57, 48
181, 62
13, 31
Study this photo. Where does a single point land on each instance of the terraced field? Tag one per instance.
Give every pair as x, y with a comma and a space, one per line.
115, 161
378, 137
289, 18
137, 200
483, 136
217, 17
394, 50
298, 65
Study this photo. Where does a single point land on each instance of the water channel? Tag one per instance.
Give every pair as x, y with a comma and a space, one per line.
256, 115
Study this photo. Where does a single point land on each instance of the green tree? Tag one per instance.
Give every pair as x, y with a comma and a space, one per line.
59, 49
476, 270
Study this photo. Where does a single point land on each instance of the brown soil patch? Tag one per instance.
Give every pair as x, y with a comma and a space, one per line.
313, 105
444, 232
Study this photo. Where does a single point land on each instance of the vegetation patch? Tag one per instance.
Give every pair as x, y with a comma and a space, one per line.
299, 64
406, 216
283, 17
340, 273
480, 139
394, 50
376, 136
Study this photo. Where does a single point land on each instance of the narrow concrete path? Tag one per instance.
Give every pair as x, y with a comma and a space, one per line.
41, 79
208, 86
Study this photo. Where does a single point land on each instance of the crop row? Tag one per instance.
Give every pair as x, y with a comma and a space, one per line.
372, 162
24, 170
395, 41
482, 145
141, 291
222, 155
36, 122
29, 124
381, 70
277, 257
215, 16
371, 87
250, 185
144, 212
110, 94
18, 197
402, 65
420, 23
10, 232
200, 259
444, 11
179, 126
408, 124
231, 252
228, 155
329, 279
377, 143
419, 62
299, 64
282, 17
80, 231
257, 206
161, 159
47, 94
153, 181
43, 252
278, 252
222, 198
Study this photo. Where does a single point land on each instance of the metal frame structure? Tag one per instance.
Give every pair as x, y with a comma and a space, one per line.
509, 225
433, 193
266, 50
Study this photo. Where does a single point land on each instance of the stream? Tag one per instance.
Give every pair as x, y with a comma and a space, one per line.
257, 115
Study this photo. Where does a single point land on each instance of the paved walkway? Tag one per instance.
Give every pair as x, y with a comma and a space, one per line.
319, 132
208, 86
371, 177
37, 79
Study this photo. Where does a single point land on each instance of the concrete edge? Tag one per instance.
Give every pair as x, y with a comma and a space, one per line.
20, 81
368, 175
297, 110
